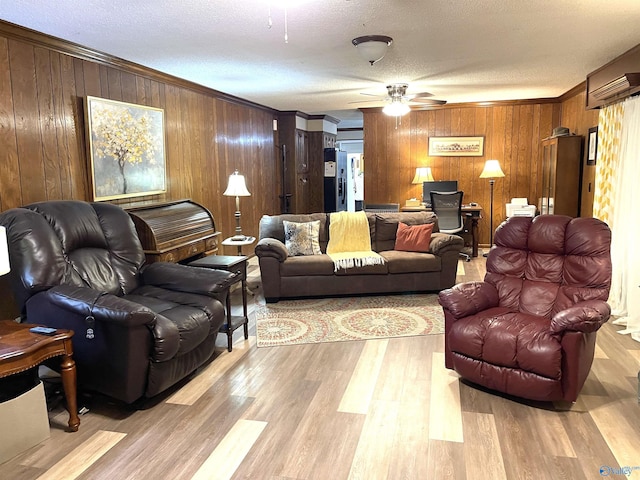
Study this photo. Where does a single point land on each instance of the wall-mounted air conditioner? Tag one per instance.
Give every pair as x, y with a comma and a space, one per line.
614, 81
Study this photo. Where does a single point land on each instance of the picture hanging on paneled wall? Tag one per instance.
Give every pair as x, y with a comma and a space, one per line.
126, 144
456, 146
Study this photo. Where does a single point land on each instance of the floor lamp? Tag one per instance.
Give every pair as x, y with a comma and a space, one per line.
491, 171
237, 188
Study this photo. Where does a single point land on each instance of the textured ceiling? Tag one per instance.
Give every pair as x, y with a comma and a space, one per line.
461, 51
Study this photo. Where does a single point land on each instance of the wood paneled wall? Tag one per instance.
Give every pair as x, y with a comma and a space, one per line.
43, 82
512, 132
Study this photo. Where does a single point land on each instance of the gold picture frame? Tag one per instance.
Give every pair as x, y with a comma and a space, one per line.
126, 144
456, 146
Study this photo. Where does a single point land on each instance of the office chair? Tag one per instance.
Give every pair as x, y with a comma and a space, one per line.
382, 207
448, 208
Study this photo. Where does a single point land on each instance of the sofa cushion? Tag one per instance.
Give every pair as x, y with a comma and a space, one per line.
271, 226
411, 262
413, 238
387, 227
302, 238
307, 265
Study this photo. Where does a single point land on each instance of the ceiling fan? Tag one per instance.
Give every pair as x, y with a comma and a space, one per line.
398, 101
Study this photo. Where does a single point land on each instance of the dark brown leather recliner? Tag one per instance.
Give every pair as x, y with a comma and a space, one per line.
139, 328
529, 329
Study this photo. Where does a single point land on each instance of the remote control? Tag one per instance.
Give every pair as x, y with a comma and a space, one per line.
43, 330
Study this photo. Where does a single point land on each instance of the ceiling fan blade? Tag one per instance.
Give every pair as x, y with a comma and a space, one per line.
368, 101
428, 101
419, 95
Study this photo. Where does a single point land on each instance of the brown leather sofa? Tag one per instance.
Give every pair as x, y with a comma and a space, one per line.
529, 329
139, 329
286, 276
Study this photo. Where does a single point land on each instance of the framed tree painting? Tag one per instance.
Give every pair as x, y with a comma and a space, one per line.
126, 149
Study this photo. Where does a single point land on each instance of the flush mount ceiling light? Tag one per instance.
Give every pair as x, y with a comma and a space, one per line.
372, 47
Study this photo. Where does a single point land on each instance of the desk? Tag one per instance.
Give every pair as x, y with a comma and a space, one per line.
473, 213
21, 350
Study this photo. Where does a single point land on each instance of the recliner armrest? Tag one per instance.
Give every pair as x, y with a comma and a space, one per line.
442, 243
469, 298
587, 317
102, 306
111, 309
272, 247
182, 278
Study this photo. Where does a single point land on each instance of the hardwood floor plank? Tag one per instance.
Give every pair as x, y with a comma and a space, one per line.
196, 387
622, 437
483, 458
321, 445
446, 461
372, 458
228, 455
81, 458
445, 413
357, 397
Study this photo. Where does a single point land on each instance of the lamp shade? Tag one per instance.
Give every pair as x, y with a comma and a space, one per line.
372, 47
492, 170
4, 252
423, 174
396, 109
236, 187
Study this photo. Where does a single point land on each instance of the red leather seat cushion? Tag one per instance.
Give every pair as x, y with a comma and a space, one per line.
511, 340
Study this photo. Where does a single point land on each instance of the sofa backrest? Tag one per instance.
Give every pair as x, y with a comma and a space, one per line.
545, 264
382, 226
72, 243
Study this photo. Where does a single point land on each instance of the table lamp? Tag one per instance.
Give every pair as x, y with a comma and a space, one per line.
4, 252
423, 174
237, 188
491, 171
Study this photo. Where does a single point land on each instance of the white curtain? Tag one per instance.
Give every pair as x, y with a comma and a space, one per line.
623, 216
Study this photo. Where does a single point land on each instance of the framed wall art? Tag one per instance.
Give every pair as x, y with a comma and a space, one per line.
592, 146
456, 146
126, 144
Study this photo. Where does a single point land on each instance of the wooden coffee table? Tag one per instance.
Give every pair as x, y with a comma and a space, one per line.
21, 350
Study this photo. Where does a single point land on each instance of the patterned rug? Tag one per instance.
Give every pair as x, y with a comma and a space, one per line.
294, 322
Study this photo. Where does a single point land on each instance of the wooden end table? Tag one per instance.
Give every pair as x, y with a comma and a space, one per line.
21, 350
234, 264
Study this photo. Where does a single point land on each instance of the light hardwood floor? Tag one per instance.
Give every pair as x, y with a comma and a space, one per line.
379, 409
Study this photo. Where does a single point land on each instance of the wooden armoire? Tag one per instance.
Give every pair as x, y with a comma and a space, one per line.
560, 159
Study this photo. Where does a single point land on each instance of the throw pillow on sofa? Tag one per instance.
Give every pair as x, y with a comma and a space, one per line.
413, 238
302, 238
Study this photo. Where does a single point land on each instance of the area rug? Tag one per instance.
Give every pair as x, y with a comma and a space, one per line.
294, 322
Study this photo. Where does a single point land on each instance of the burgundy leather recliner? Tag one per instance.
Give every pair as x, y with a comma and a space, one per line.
139, 329
529, 329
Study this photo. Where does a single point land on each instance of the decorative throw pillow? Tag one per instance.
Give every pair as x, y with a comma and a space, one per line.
413, 238
302, 238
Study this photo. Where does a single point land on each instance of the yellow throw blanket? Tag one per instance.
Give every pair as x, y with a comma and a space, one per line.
350, 241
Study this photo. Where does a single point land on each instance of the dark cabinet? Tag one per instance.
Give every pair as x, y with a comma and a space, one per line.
560, 160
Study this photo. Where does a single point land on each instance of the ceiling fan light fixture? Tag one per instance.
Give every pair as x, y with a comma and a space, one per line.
396, 109
372, 47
